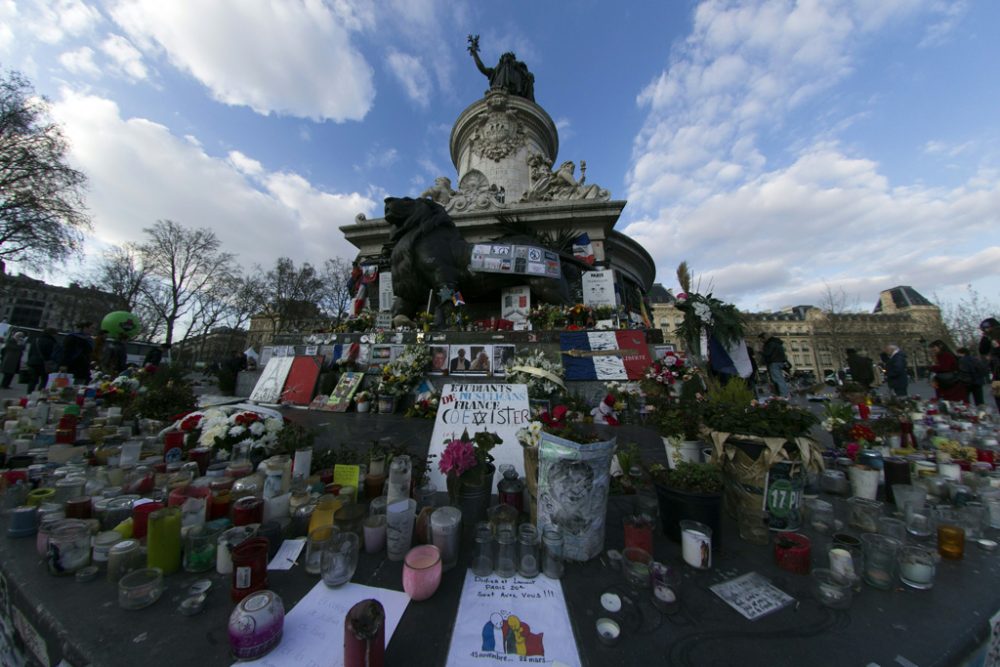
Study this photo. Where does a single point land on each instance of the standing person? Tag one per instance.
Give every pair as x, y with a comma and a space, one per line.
97, 348
947, 386
896, 377
861, 367
11, 364
973, 372
78, 347
155, 355
989, 349
775, 360
42, 354
114, 357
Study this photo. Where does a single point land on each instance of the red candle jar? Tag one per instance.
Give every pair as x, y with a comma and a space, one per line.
202, 456
179, 495
639, 533
364, 635
249, 568
247, 510
373, 485
140, 517
792, 552
219, 505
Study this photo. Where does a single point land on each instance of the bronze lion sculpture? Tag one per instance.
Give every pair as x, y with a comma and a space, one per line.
429, 256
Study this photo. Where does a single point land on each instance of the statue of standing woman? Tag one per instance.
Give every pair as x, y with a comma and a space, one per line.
510, 74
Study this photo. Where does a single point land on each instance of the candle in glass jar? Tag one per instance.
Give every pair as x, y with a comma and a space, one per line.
696, 544
842, 564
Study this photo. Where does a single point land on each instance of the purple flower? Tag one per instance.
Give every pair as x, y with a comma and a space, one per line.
458, 457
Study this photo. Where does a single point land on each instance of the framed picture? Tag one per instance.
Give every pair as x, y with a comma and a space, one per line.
502, 354
481, 357
439, 360
460, 360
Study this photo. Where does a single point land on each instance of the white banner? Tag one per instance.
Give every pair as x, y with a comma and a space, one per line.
497, 408
385, 293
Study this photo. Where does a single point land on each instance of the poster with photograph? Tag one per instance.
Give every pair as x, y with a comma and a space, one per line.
481, 359
439, 360
380, 356
460, 360
515, 303
502, 355
501, 621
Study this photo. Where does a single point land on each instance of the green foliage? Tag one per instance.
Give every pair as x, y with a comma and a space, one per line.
166, 394
328, 458
294, 436
734, 393
690, 477
775, 419
628, 456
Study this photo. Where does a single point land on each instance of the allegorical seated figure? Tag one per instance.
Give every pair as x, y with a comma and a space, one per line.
510, 74
547, 185
441, 191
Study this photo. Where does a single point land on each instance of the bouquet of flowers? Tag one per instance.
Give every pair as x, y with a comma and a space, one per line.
467, 461
424, 408
543, 376
222, 429
540, 316
705, 313
121, 390
403, 373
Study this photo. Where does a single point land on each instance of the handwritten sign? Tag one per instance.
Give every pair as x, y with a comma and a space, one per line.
347, 476
752, 595
599, 288
504, 621
497, 408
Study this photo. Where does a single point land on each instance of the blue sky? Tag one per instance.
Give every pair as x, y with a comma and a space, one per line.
779, 147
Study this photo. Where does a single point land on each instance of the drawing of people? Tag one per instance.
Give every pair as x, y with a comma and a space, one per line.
491, 630
520, 640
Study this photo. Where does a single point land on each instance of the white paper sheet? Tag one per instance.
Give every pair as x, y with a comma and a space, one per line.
501, 621
287, 554
314, 628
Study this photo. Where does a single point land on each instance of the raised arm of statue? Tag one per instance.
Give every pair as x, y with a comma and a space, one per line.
474, 50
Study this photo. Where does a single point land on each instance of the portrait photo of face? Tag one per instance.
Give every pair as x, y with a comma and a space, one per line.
439, 358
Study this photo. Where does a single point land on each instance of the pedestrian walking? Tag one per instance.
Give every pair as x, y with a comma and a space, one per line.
947, 386
973, 372
896, 377
78, 347
861, 367
42, 354
775, 360
11, 358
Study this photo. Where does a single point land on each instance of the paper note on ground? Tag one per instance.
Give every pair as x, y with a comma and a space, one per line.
752, 595
287, 554
314, 628
501, 621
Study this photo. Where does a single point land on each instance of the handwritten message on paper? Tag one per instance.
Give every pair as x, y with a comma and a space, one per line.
314, 629
498, 408
752, 595
504, 621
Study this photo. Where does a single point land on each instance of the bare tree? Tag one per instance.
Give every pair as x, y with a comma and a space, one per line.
122, 273
182, 264
42, 210
962, 317
290, 295
336, 296
834, 330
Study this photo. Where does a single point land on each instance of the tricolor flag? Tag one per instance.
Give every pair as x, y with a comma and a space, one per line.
456, 298
604, 355
583, 249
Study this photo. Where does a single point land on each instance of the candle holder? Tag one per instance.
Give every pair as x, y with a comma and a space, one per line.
482, 558
422, 572
364, 635
880, 560
863, 514
696, 544
340, 559
316, 543
527, 551
846, 558
917, 567
831, 589
506, 560
666, 586
635, 565
552, 561
608, 631
820, 515
256, 625
249, 568
446, 523
374, 528
892, 527
919, 523
399, 531
792, 552
639, 532
140, 588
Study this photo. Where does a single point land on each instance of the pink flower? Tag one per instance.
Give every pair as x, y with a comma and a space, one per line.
457, 457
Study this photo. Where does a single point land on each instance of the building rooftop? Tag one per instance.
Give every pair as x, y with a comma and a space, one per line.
903, 296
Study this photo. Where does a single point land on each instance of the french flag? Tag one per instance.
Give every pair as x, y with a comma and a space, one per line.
604, 355
583, 249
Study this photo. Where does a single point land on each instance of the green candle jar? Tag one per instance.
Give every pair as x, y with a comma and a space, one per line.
199, 548
163, 540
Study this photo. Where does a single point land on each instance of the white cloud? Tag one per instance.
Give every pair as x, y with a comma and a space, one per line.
140, 172
771, 226
411, 75
293, 58
8, 15
127, 58
55, 20
378, 158
948, 149
80, 61
952, 12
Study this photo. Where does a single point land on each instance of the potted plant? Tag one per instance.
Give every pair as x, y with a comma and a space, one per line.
468, 468
363, 401
762, 446
690, 491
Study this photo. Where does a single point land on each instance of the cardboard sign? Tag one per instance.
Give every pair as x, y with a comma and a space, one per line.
752, 595
272, 380
301, 381
497, 408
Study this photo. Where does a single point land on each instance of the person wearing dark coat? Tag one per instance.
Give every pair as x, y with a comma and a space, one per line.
861, 367
973, 372
78, 347
947, 386
42, 355
155, 355
989, 349
896, 377
11, 363
114, 358
775, 360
